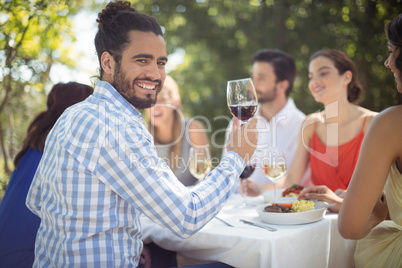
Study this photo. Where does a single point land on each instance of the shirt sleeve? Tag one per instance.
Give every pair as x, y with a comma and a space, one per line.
133, 170
33, 199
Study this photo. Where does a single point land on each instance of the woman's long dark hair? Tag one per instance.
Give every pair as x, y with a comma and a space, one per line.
60, 98
393, 30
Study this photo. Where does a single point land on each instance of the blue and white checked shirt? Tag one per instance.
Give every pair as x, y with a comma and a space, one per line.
99, 172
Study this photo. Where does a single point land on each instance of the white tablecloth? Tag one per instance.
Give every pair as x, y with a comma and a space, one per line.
317, 244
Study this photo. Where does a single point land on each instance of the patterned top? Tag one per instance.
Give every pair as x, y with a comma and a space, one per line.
99, 173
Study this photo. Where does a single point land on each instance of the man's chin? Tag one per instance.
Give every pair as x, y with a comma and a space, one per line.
263, 101
142, 103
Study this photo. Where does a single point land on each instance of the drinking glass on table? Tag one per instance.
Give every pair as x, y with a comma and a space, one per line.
241, 99
273, 164
199, 162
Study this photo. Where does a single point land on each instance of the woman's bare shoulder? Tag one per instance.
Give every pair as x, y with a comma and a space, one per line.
368, 116
197, 131
385, 132
314, 118
391, 116
388, 124
195, 124
310, 124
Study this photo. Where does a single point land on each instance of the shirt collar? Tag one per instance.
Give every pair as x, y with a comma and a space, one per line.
286, 112
104, 90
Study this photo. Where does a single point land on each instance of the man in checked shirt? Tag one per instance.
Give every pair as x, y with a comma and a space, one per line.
100, 170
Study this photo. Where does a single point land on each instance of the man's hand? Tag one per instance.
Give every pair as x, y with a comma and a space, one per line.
236, 124
244, 140
322, 193
253, 188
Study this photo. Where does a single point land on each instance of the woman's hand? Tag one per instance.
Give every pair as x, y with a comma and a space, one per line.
341, 193
322, 193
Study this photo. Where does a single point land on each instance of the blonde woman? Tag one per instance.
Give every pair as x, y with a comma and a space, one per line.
174, 134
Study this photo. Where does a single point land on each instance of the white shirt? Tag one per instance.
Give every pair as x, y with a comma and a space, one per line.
281, 131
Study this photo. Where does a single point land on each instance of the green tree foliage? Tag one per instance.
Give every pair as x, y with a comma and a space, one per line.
34, 35
220, 37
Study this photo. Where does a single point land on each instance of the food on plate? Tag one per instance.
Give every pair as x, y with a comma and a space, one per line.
292, 191
297, 206
302, 205
276, 208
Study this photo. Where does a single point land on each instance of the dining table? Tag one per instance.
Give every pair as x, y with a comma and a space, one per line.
314, 244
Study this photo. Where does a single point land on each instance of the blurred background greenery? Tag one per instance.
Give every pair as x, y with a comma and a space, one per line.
216, 39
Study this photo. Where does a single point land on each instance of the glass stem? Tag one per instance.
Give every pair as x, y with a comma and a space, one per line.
274, 192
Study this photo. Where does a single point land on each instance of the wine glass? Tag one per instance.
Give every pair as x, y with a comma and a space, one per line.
273, 165
242, 99
199, 162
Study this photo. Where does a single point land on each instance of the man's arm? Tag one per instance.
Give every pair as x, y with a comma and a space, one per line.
147, 183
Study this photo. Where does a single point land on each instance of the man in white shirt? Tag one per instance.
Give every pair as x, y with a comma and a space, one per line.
279, 120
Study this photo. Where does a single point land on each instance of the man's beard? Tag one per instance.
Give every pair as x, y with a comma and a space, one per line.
268, 96
126, 89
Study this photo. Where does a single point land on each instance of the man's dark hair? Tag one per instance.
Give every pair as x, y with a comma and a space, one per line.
284, 65
115, 22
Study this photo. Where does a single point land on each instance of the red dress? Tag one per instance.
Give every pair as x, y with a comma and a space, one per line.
333, 166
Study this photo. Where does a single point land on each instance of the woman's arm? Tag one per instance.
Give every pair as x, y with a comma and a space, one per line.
302, 155
362, 208
323, 193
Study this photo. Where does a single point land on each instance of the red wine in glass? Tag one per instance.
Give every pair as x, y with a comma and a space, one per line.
243, 112
241, 99
248, 170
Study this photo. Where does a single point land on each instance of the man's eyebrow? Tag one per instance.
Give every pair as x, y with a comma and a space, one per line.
148, 56
259, 74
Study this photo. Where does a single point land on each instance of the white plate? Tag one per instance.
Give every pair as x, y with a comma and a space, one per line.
269, 197
295, 217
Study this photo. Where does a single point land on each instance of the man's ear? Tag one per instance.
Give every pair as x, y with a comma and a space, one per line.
283, 85
107, 63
